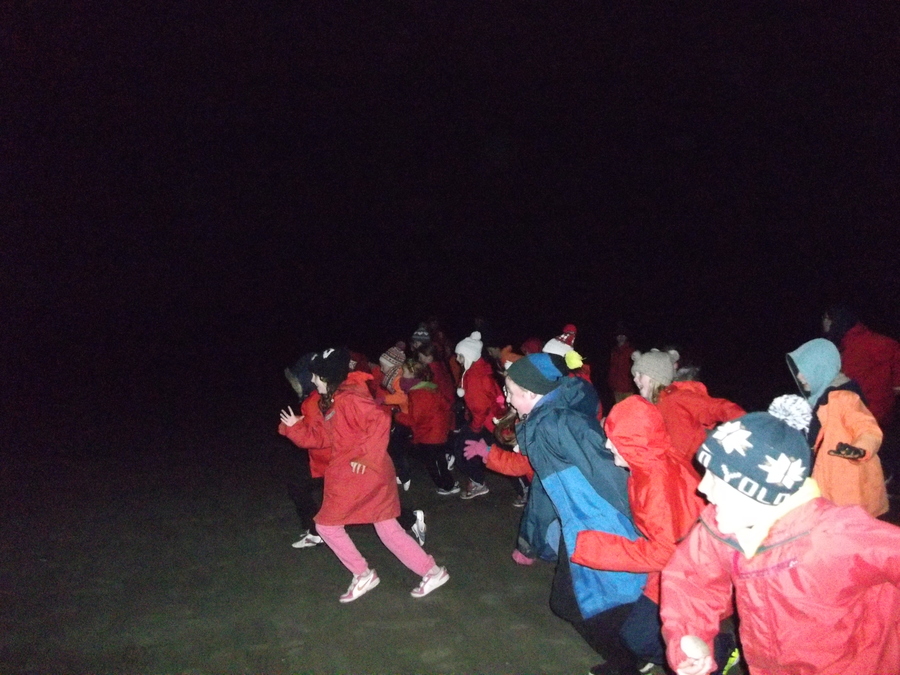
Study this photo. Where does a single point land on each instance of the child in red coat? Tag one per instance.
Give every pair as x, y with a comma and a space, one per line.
429, 418
360, 482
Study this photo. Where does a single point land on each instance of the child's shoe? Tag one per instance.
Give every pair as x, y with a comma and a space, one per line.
432, 580
361, 584
474, 490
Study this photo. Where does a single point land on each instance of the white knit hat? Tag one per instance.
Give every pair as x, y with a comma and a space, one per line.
470, 349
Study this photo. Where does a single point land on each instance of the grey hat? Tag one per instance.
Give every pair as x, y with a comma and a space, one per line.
658, 366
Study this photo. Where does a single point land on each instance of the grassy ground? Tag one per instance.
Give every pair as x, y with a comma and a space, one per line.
183, 564
174, 557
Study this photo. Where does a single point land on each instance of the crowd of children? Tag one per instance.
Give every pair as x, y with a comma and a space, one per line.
664, 518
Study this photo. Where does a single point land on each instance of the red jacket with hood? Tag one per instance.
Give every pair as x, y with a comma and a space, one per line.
441, 376
661, 492
821, 595
357, 430
428, 415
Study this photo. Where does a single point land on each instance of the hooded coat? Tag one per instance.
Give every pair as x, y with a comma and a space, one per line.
820, 596
587, 491
840, 416
356, 429
689, 412
662, 492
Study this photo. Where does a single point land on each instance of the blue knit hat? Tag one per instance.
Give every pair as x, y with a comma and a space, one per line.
759, 455
539, 373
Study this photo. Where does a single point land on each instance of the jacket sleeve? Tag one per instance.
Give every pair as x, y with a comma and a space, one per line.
876, 550
308, 433
862, 425
406, 418
720, 410
508, 463
696, 591
605, 551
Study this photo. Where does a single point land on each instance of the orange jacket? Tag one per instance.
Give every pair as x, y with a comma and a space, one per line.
398, 397
845, 419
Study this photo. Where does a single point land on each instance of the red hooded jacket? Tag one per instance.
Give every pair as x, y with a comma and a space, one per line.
357, 430
661, 492
822, 594
441, 376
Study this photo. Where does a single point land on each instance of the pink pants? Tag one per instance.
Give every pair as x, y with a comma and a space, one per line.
391, 534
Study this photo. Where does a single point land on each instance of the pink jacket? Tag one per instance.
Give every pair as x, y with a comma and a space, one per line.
821, 595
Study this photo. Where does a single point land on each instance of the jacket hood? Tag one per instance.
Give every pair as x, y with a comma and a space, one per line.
636, 428
819, 361
574, 393
356, 383
692, 386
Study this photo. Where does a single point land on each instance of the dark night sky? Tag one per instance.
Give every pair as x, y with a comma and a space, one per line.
199, 191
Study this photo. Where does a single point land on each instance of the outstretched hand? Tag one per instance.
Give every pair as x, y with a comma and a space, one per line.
288, 417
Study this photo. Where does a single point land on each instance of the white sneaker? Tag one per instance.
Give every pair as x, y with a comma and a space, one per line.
418, 528
308, 540
360, 585
430, 582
